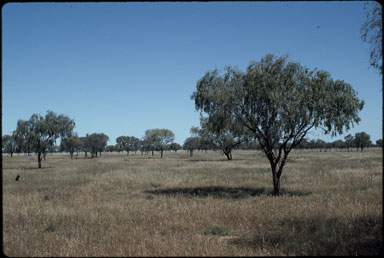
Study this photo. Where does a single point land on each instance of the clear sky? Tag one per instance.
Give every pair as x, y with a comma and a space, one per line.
121, 68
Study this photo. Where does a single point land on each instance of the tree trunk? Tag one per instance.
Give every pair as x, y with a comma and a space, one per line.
276, 184
190, 153
152, 152
161, 153
275, 177
71, 154
39, 159
228, 154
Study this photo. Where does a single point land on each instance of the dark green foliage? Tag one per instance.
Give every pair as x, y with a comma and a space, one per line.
362, 140
95, 143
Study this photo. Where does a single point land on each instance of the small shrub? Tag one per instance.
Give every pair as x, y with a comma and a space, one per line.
215, 230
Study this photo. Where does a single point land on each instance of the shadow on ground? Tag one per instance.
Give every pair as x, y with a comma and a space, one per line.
214, 191
318, 236
29, 168
206, 160
221, 192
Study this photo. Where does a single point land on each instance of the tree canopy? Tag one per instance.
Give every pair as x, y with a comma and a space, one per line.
372, 33
279, 102
158, 139
362, 140
38, 133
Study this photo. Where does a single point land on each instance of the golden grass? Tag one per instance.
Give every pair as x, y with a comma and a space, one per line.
139, 205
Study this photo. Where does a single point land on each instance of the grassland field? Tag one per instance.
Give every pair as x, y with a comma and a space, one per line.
205, 205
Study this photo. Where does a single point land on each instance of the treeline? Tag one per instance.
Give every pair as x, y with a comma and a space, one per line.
360, 141
40, 134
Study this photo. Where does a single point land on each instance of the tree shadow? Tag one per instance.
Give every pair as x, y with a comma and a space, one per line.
215, 160
313, 236
213, 191
35, 168
207, 160
222, 192
28, 168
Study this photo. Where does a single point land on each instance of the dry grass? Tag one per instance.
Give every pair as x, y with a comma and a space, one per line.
136, 205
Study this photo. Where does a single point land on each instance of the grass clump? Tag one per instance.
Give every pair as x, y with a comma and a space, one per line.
216, 230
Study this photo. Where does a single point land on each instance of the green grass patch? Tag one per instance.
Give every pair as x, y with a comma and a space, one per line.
216, 230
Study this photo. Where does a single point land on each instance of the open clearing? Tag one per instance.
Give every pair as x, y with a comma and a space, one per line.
139, 205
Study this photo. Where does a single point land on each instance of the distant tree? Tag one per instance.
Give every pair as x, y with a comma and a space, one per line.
151, 140
40, 132
110, 148
128, 143
362, 140
175, 146
320, 144
279, 103
338, 144
23, 137
159, 139
70, 144
349, 141
225, 132
372, 33
8, 144
85, 145
206, 141
304, 144
96, 142
379, 143
144, 146
58, 126
122, 143
191, 144
166, 137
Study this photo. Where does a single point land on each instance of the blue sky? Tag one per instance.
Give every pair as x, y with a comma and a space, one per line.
121, 68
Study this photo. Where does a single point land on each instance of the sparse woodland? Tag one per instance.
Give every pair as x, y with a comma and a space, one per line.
223, 192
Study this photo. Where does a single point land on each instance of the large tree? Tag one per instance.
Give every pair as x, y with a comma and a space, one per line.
279, 102
372, 33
